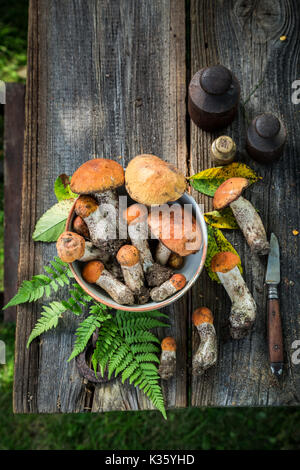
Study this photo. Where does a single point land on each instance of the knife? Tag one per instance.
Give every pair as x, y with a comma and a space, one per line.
274, 319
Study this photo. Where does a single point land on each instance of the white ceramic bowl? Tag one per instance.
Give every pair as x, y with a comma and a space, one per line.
193, 266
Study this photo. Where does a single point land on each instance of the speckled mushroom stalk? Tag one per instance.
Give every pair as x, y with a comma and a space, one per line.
136, 218
162, 254
71, 247
168, 288
129, 259
243, 309
229, 193
94, 272
207, 352
167, 366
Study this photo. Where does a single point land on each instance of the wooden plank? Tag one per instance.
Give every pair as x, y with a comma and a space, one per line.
244, 36
13, 161
104, 79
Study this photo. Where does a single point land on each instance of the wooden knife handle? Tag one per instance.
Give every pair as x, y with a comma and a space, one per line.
275, 332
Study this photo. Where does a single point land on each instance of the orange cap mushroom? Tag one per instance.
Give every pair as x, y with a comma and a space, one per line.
97, 175
168, 344
202, 315
92, 271
150, 180
171, 231
70, 246
178, 281
135, 213
85, 206
128, 255
224, 262
229, 191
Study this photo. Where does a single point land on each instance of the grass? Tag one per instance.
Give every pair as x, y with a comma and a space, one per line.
189, 429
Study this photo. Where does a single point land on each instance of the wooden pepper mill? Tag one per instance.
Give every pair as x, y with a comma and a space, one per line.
266, 137
214, 94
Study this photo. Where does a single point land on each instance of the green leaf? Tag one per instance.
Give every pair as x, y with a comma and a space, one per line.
208, 181
221, 219
83, 333
216, 244
52, 223
49, 319
62, 188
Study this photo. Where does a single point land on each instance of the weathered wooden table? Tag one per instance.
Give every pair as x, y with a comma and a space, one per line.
109, 78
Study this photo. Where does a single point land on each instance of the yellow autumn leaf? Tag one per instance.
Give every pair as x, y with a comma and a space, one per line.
221, 219
207, 181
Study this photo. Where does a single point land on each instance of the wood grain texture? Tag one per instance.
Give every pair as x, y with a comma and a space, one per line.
13, 161
244, 36
105, 79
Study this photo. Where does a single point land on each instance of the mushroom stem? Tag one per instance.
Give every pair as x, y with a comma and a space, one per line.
91, 252
251, 225
72, 246
135, 231
168, 288
129, 259
94, 272
162, 254
167, 365
243, 309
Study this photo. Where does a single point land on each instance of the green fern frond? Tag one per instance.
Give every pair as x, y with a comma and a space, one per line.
125, 347
49, 319
59, 274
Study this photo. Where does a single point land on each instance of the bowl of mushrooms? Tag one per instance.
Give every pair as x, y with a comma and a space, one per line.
135, 239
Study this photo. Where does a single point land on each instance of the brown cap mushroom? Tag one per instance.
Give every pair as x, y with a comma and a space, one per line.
80, 227
168, 288
128, 255
243, 309
167, 366
173, 233
229, 193
150, 180
206, 354
70, 246
168, 344
97, 175
85, 206
92, 271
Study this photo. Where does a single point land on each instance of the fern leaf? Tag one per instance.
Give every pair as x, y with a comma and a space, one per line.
83, 334
49, 319
40, 284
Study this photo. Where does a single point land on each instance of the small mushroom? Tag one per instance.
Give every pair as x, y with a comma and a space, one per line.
71, 247
129, 258
229, 193
171, 227
94, 272
175, 261
207, 352
136, 218
87, 208
100, 178
162, 253
243, 309
167, 366
168, 288
149, 180
80, 227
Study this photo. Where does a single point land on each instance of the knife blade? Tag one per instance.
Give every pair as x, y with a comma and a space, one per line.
275, 341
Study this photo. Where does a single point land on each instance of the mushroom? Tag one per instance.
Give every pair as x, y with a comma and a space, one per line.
100, 178
129, 258
229, 193
168, 288
162, 253
80, 227
87, 208
136, 218
71, 247
175, 261
243, 309
206, 354
177, 230
149, 180
94, 272
167, 366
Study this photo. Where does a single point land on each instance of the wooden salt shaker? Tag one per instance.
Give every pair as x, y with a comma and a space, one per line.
266, 137
214, 94
223, 150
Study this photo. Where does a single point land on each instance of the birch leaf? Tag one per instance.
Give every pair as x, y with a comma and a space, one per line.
221, 219
52, 223
208, 181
